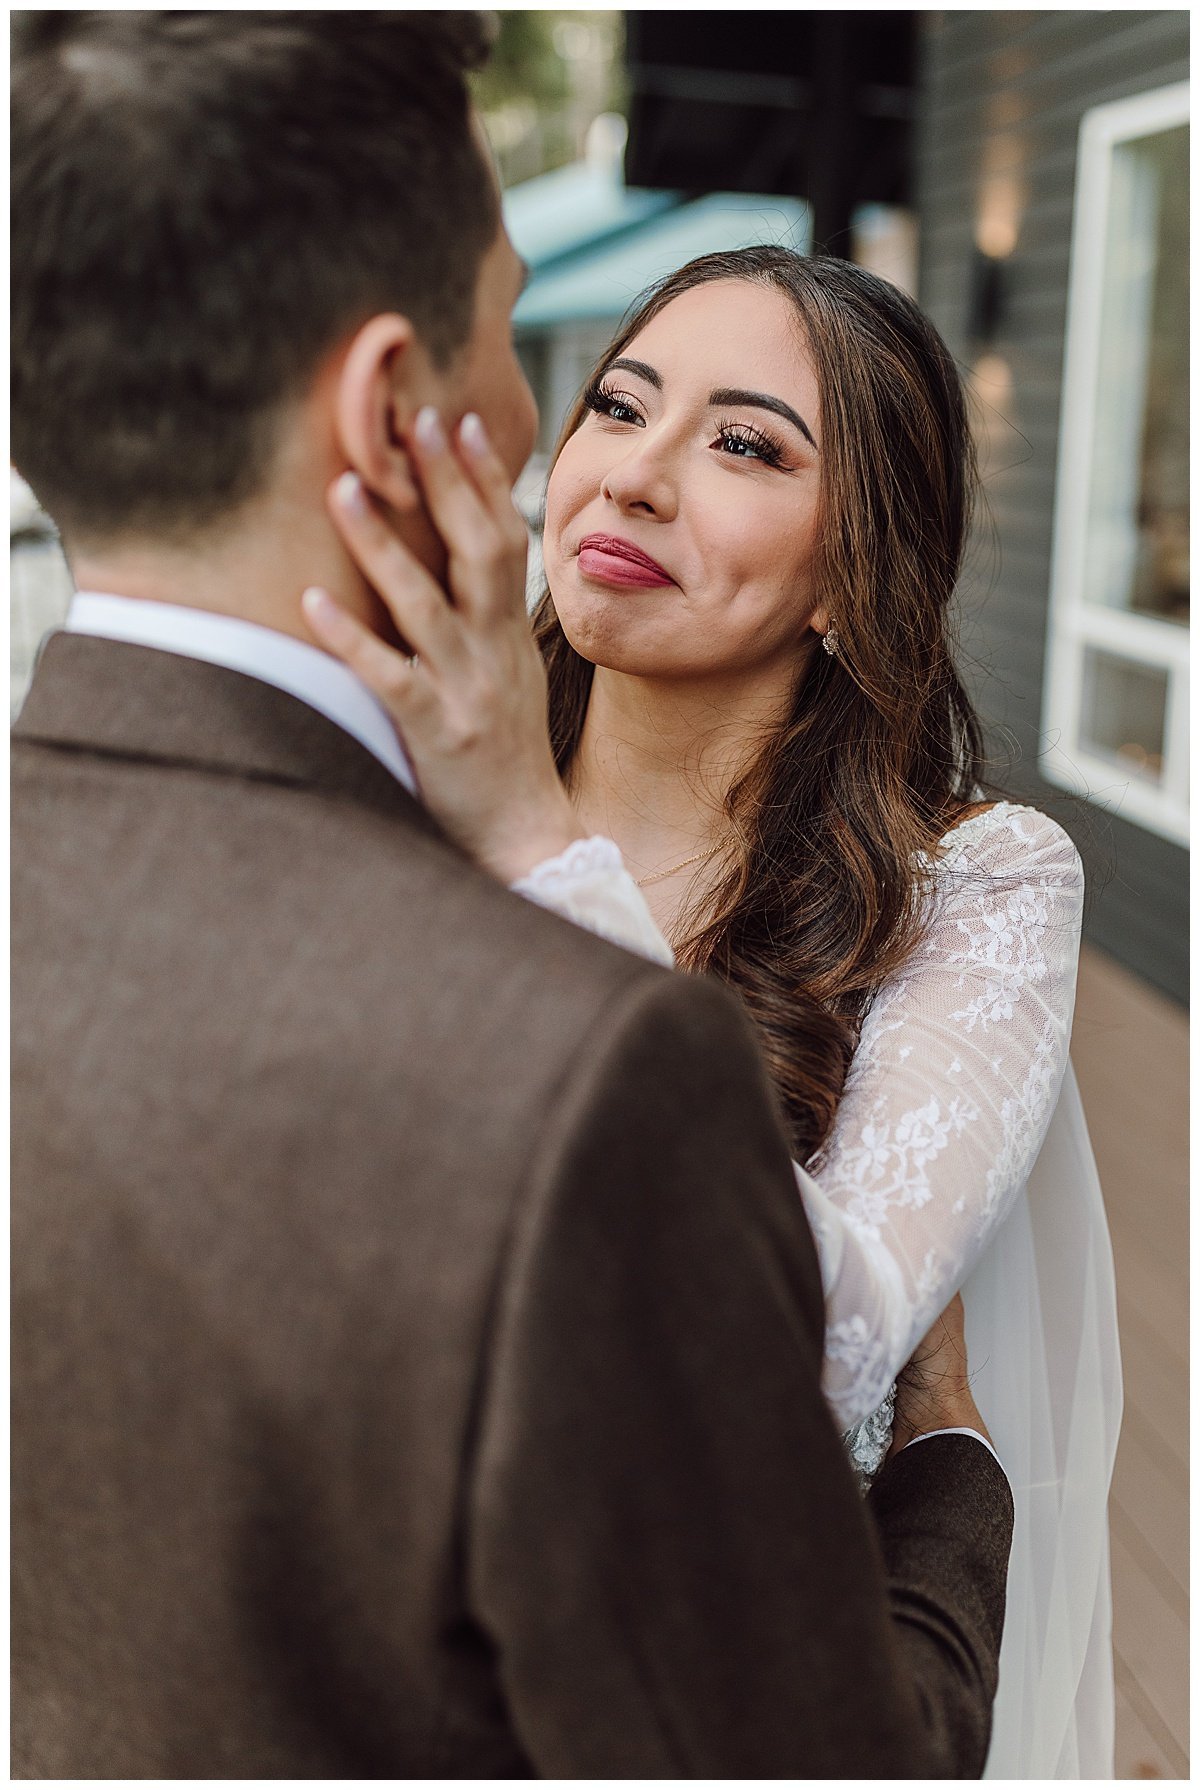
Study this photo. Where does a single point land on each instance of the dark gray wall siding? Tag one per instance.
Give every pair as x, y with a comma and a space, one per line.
1027, 78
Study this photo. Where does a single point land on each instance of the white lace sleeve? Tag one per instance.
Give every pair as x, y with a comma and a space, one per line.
589, 884
948, 1098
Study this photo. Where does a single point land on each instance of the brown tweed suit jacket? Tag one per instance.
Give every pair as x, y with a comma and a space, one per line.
416, 1334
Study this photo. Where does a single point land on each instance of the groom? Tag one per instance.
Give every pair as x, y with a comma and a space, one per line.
416, 1334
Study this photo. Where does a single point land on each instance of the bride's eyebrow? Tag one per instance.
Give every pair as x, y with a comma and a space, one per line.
638, 367
762, 401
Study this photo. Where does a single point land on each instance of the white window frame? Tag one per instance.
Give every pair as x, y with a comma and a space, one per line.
1074, 624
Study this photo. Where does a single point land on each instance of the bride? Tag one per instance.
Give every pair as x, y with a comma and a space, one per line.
762, 764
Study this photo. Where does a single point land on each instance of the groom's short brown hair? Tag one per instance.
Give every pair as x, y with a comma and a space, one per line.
202, 203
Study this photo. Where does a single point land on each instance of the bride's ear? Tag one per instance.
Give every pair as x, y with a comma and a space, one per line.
374, 406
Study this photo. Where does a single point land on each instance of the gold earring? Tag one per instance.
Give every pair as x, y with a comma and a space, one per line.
830, 641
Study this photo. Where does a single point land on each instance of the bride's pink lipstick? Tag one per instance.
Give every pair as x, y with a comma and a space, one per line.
614, 561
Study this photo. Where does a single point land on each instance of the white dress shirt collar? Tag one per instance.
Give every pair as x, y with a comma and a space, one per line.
303, 671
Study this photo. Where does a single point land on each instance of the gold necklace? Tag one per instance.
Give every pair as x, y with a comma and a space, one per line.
658, 876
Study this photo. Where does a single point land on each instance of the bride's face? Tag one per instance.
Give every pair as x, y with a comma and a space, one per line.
700, 451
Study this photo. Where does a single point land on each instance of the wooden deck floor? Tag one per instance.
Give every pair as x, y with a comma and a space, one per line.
1130, 1050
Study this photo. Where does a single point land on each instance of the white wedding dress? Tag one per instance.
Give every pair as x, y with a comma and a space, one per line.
959, 1159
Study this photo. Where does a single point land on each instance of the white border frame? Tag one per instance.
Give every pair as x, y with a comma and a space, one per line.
1074, 624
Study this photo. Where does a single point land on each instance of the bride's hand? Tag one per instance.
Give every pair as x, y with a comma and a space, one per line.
470, 704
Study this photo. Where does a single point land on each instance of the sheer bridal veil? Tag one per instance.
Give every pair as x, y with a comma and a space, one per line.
1046, 1371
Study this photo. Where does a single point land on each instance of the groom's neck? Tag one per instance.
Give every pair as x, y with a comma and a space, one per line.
256, 573
253, 565
252, 562
256, 561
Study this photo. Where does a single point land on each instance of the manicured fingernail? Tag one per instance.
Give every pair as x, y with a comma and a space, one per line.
350, 494
472, 433
318, 605
428, 430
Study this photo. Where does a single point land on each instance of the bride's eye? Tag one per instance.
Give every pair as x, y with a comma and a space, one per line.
605, 400
742, 442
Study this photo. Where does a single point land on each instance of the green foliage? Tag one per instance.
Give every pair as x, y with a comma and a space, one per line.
549, 75
524, 64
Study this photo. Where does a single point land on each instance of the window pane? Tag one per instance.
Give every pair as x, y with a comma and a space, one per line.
1124, 712
1138, 524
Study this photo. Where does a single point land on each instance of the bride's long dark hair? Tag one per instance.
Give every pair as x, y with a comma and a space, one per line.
881, 750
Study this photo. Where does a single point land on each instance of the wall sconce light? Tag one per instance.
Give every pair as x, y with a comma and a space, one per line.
987, 299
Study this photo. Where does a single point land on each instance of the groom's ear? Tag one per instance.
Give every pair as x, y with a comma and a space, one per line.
378, 395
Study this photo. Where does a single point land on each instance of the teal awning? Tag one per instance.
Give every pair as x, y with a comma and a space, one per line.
594, 245
574, 208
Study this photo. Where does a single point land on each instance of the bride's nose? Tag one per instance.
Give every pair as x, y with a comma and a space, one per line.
642, 480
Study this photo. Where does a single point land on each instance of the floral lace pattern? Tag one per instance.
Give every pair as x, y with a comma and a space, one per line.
589, 885
956, 1074
948, 1100
867, 1445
